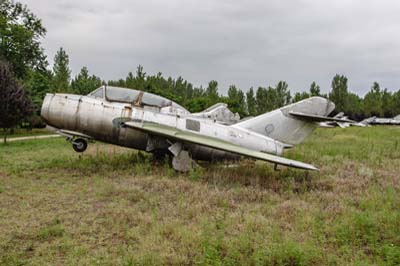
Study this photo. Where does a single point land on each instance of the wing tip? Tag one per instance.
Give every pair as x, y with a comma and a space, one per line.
307, 167
312, 168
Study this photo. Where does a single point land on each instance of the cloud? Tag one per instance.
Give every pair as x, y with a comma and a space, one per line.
247, 43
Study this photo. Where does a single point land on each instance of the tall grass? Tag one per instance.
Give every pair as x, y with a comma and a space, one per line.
115, 206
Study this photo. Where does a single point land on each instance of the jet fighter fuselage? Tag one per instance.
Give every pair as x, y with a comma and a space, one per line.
152, 123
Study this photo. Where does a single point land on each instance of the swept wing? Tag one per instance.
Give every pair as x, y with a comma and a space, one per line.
187, 136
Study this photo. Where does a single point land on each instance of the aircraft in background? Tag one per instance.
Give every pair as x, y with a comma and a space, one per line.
148, 122
344, 122
385, 121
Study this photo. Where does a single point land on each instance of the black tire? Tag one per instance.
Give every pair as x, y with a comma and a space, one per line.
79, 145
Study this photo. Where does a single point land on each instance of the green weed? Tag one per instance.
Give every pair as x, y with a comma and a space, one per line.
116, 206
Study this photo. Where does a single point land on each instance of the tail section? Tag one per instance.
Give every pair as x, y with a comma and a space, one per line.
281, 125
368, 120
339, 115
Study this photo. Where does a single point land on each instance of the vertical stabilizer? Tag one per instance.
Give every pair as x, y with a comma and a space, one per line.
282, 126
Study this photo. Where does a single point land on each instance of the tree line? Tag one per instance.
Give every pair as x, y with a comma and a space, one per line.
377, 102
26, 77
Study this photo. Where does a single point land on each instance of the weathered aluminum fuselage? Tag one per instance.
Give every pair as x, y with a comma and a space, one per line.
96, 117
385, 121
93, 117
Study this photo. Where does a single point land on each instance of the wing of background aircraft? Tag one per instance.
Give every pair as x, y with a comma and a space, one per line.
186, 136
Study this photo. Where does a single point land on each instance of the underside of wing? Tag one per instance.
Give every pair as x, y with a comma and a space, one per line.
318, 118
187, 136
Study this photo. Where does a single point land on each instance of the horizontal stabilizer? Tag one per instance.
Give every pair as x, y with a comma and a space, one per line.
318, 118
186, 136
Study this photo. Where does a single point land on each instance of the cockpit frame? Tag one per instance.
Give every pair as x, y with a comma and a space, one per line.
134, 97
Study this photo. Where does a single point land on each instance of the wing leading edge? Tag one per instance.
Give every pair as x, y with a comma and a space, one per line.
211, 142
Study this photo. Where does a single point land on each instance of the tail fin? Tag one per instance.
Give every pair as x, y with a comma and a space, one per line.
284, 127
368, 120
339, 115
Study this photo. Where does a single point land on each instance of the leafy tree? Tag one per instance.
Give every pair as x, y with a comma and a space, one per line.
387, 104
396, 102
236, 101
62, 73
373, 101
354, 107
20, 34
212, 92
140, 80
339, 92
251, 102
298, 96
198, 104
282, 94
140, 74
15, 104
38, 83
117, 83
83, 83
242, 104
315, 89
130, 81
261, 99
271, 98
266, 99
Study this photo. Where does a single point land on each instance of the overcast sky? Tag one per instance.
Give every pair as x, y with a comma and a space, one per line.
247, 43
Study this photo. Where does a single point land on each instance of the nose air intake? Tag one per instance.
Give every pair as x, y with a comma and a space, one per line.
44, 112
60, 110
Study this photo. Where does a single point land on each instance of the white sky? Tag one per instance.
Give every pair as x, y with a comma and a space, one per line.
247, 43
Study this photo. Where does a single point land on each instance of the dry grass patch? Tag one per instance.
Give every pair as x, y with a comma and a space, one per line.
113, 206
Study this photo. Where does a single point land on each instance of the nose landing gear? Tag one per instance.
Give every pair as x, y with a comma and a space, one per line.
79, 145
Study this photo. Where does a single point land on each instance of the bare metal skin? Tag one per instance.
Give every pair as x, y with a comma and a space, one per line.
119, 116
93, 117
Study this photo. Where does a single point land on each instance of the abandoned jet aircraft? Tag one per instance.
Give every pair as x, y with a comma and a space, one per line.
340, 116
152, 123
344, 122
395, 121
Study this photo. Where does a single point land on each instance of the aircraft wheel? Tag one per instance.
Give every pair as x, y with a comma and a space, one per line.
79, 145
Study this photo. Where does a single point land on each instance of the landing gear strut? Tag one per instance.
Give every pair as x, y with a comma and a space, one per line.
79, 145
182, 161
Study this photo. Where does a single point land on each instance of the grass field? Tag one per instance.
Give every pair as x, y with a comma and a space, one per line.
114, 206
